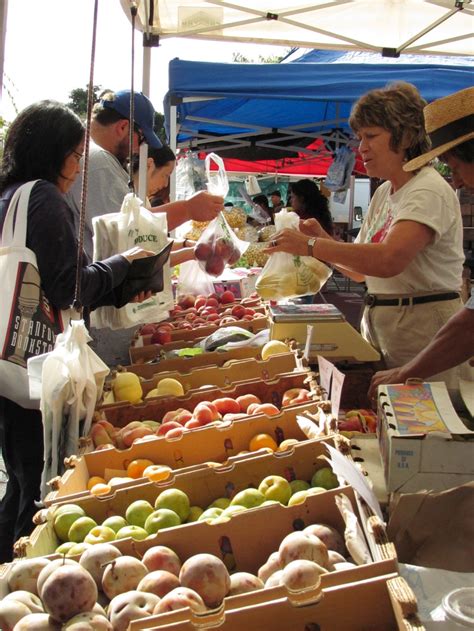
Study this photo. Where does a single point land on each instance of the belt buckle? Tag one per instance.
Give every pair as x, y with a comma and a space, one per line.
370, 300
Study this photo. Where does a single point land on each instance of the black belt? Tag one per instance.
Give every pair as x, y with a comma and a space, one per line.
371, 300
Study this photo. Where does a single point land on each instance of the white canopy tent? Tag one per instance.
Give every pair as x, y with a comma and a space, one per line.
391, 27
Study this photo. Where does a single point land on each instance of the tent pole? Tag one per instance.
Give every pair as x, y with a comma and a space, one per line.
173, 143
3, 26
350, 216
144, 147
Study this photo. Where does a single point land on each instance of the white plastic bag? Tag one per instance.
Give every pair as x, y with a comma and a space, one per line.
72, 381
133, 226
286, 275
193, 280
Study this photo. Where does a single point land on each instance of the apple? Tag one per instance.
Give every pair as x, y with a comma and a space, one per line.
137, 533
159, 582
37, 622
80, 528
302, 574
122, 575
299, 497
208, 576
88, 621
180, 598
23, 575
234, 257
100, 534
129, 606
65, 547
160, 519
243, 582
162, 558
115, 522
325, 478
210, 514
331, 538
275, 487
232, 510
248, 498
294, 396
162, 335
69, 590
299, 485
174, 500
94, 559
300, 545
147, 329
64, 519
274, 347
138, 512
78, 548
220, 502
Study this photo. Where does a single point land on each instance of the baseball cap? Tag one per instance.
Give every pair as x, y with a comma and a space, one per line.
143, 114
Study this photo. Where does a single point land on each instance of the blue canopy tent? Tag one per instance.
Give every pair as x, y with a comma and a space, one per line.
253, 111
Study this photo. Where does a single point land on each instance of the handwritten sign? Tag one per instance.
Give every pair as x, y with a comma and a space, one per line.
336, 390
325, 374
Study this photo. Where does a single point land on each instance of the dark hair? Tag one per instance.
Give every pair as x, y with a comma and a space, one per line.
315, 205
160, 157
261, 200
106, 115
37, 143
398, 108
464, 151
277, 193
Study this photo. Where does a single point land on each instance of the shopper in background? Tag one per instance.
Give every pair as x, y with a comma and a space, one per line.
309, 203
450, 124
45, 143
277, 204
409, 249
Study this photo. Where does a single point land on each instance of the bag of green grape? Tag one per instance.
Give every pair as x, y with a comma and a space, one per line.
287, 275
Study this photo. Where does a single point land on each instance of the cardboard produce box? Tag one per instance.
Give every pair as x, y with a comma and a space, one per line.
372, 604
197, 447
147, 360
119, 414
424, 444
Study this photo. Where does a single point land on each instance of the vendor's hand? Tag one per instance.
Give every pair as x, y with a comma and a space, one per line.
142, 296
137, 253
291, 241
313, 228
394, 375
204, 206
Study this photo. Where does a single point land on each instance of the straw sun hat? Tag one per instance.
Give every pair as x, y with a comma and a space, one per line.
449, 122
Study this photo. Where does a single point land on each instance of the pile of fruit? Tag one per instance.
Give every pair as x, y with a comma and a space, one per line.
359, 421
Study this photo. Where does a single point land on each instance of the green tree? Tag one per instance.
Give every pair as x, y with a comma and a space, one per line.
159, 127
78, 99
238, 58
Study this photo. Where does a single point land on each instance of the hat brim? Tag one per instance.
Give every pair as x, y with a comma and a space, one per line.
420, 161
151, 138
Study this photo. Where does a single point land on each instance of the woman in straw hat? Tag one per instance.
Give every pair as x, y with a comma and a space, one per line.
450, 124
409, 249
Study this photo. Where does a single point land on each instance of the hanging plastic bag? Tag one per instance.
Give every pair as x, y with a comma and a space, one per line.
133, 226
287, 275
72, 381
193, 280
339, 173
190, 176
218, 245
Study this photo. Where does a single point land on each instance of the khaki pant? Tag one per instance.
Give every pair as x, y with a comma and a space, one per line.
399, 333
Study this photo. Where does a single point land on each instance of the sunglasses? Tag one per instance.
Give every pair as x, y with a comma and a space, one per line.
138, 131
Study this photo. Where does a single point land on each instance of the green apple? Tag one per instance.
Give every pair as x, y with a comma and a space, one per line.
269, 502
66, 508
275, 487
80, 528
78, 549
174, 500
325, 477
64, 519
299, 485
100, 534
233, 509
298, 498
194, 513
137, 513
115, 522
220, 502
154, 425
248, 498
161, 518
65, 547
134, 532
210, 514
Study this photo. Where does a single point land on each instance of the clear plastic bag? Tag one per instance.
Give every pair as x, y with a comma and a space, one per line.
190, 176
193, 280
289, 276
339, 173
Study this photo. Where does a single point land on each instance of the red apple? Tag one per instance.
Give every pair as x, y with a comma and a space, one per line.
161, 336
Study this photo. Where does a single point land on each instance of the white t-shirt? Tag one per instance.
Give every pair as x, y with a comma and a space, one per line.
107, 186
428, 199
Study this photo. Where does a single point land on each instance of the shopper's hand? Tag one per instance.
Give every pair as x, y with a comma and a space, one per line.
142, 296
313, 228
137, 253
394, 375
204, 207
291, 241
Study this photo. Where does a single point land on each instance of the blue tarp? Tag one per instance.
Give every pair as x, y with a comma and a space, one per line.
312, 96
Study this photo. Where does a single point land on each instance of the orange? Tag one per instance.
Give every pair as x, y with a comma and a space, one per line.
100, 489
260, 441
157, 472
135, 468
95, 479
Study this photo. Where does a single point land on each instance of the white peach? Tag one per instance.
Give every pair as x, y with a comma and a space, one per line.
243, 582
122, 575
302, 574
129, 606
159, 582
162, 558
331, 538
180, 598
24, 574
208, 576
300, 545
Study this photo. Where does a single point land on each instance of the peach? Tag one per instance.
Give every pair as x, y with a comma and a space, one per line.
159, 582
252, 407
245, 400
100, 435
178, 599
335, 557
331, 538
174, 433
274, 580
208, 576
23, 575
93, 560
28, 599
205, 412
300, 545
122, 575
200, 302
212, 301
139, 432
37, 622
294, 396
192, 424
265, 408
272, 565
162, 335
238, 312
69, 590
164, 428
226, 405
227, 297
162, 558
203, 251
302, 574
131, 605
243, 582
11, 612
186, 301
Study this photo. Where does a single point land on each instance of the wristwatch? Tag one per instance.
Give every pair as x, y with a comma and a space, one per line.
311, 243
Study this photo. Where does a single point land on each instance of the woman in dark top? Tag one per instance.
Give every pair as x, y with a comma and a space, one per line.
45, 143
309, 203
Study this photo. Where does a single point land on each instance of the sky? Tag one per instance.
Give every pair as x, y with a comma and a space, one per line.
48, 51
